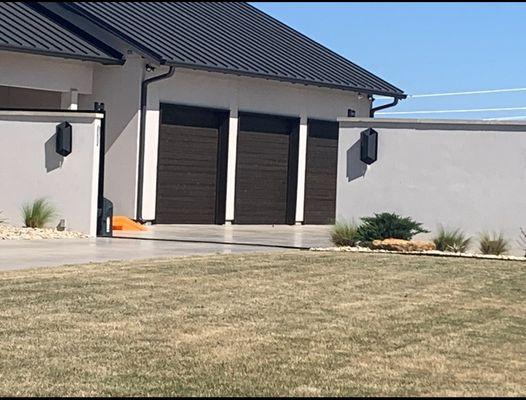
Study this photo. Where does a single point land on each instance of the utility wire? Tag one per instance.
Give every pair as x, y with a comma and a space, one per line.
466, 93
505, 118
451, 111
415, 96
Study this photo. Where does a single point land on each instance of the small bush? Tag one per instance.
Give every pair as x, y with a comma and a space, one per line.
344, 234
2, 220
452, 240
388, 225
493, 244
38, 213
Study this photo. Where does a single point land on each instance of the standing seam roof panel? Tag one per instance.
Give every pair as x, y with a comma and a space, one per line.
263, 46
348, 67
24, 29
34, 27
277, 63
304, 42
235, 37
183, 43
241, 58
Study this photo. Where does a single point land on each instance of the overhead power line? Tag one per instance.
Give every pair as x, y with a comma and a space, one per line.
451, 111
467, 93
505, 118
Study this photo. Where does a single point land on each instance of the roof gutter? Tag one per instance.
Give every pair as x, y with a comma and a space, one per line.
142, 136
382, 107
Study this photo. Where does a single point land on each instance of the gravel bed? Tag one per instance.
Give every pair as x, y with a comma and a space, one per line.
9, 232
434, 253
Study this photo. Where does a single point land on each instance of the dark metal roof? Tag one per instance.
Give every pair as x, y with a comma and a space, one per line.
229, 37
23, 29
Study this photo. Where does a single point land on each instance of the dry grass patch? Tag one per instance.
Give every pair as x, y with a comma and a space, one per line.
299, 324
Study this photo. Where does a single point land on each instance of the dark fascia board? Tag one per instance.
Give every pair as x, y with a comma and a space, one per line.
183, 106
100, 60
289, 118
51, 110
114, 57
99, 22
283, 79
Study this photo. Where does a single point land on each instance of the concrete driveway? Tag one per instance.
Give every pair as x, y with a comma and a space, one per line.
298, 236
158, 242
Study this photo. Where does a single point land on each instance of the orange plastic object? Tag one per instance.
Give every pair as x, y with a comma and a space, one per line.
122, 223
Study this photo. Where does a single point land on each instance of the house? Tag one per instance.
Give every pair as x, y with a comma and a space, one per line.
214, 112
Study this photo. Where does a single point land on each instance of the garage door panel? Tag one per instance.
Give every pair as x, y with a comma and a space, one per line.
320, 177
187, 175
261, 178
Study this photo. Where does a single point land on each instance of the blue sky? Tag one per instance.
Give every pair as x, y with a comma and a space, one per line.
426, 48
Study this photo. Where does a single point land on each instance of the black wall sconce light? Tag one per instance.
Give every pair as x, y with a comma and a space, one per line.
64, 138
369, 146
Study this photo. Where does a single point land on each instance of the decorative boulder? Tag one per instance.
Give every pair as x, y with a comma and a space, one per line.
402, 245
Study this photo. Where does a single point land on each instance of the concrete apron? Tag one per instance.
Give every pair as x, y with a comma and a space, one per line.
284, 236
169, 241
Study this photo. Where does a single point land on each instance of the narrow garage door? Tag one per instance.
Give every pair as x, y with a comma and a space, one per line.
191, 168
266, 170
320, 179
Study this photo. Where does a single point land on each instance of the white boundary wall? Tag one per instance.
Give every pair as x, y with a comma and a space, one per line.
30, 167
461, 174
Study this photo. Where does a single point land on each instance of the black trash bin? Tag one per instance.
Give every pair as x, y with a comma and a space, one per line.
104, 223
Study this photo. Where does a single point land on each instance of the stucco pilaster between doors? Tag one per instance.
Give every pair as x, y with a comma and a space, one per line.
233, 127
302, 164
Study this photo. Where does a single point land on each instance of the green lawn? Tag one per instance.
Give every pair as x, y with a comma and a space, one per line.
297, 323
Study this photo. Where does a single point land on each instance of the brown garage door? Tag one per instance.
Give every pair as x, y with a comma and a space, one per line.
266, 170
320, 179
191, 166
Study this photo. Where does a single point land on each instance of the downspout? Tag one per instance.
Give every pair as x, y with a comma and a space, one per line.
142, 135
388, 105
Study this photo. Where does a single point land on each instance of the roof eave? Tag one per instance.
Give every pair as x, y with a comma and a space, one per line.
101, 24
100, 60
158, 58
399, 95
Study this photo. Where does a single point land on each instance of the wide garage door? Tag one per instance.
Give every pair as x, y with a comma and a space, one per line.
320, 179
191, 172
266, 170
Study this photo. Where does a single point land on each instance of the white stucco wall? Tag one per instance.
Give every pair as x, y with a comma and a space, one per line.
45, 73
235, 93
30, 168
468, 175
119, 88
227, 91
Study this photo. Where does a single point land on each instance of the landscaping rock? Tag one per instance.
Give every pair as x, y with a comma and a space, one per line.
402, 245
9, 232
430, 253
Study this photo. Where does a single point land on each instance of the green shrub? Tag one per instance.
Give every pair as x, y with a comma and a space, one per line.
387, 225
38, 213
493, 244
2, 220
451, 240
344, 234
